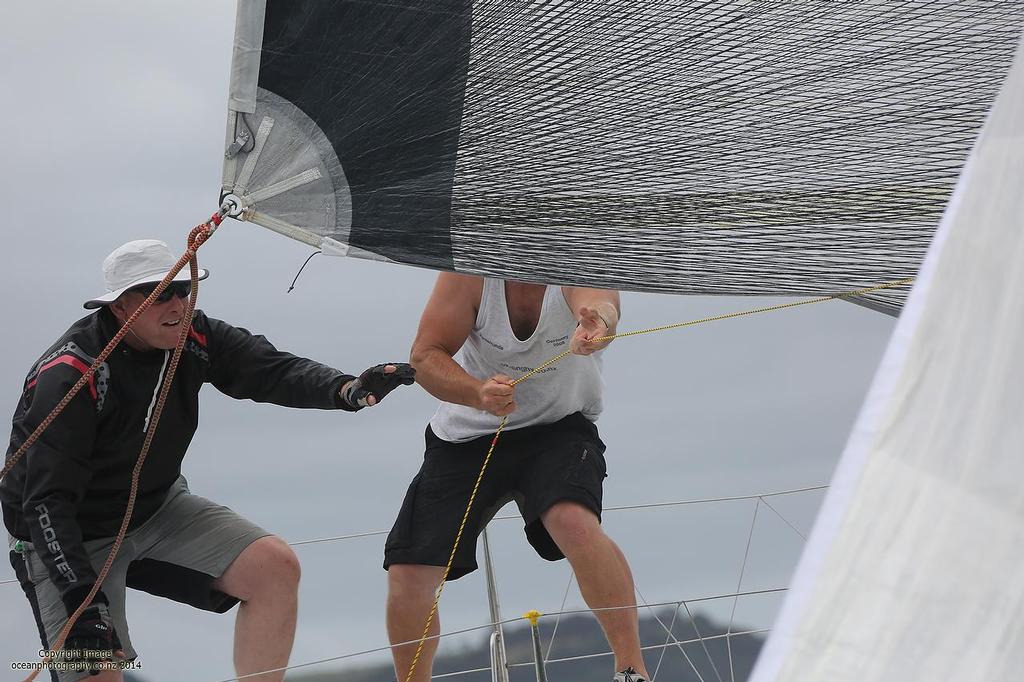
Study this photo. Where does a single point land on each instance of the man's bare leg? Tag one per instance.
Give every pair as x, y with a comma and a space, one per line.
265, 577
411, 590
603, 575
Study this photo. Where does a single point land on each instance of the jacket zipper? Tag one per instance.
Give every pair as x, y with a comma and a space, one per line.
156, 390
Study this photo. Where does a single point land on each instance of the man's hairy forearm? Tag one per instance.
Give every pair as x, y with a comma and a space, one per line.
444, 378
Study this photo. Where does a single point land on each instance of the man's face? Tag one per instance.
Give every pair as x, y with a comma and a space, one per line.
159, 326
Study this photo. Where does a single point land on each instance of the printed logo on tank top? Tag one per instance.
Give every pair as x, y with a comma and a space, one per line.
560, 341
523, 369
492, 343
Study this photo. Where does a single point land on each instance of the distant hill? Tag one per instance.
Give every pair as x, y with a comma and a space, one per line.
579, 635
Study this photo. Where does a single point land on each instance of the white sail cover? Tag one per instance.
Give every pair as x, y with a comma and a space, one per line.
915, 569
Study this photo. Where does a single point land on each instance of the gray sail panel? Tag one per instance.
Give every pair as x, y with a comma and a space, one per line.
720, 148
913, 570
684, 147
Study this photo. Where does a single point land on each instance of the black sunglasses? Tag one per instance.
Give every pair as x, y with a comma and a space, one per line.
179, 289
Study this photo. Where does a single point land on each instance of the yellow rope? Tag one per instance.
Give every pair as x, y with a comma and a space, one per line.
548, 363
451, 558
726, 316
767, 309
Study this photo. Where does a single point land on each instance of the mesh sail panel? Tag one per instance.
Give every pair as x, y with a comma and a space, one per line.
687, 147
912, 571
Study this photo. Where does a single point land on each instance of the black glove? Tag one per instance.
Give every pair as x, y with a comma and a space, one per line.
378, 383
92, 639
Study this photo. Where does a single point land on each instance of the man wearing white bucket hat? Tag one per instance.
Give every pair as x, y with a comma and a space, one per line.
63, 502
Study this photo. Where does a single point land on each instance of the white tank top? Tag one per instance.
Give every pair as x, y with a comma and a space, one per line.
573, 384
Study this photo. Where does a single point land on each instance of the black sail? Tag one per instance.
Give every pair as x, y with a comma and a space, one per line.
385, 83
685, 147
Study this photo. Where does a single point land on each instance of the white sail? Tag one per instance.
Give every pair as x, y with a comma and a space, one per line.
913, 571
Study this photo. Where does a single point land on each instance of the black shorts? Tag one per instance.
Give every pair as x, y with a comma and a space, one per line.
536, 466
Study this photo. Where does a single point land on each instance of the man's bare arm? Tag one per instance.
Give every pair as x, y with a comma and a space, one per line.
445, 325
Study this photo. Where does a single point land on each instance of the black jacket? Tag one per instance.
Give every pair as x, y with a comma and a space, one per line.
73, 483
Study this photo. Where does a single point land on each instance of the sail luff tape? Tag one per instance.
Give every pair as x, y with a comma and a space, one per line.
246, 53
241, 184
303, 178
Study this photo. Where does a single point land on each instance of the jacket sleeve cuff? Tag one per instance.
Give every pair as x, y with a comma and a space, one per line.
339, 402
74, 597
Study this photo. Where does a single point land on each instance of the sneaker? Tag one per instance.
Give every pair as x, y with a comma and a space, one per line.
628, 675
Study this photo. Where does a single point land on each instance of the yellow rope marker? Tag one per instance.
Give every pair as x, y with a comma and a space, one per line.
548, 363
538, 652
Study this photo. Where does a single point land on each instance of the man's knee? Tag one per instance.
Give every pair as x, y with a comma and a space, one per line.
571, 525
267, 563
408, 580
275, 554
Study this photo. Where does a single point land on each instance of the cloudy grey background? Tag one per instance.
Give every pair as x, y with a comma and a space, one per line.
113, 124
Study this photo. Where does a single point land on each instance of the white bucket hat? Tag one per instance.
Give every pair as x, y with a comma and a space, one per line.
142, 261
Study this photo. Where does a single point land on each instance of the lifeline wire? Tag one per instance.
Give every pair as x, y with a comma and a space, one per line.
627, 507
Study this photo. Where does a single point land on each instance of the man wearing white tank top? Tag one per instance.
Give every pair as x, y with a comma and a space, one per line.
476, 335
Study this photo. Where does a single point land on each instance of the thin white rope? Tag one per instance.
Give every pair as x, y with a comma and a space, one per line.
651, 647
558, 619
693, 621
509, 621
350, 536
468, 672
669, 632
562, 611
569, 659
739, 583
680, 503
694, 600
668, 636
364, 652
785, 520
510, 517
365, 534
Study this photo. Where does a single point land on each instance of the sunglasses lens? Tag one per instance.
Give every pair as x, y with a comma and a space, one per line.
179, 289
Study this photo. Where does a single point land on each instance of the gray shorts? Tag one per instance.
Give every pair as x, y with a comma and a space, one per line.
178, 553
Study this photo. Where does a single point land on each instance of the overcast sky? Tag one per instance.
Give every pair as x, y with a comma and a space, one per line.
113, 127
